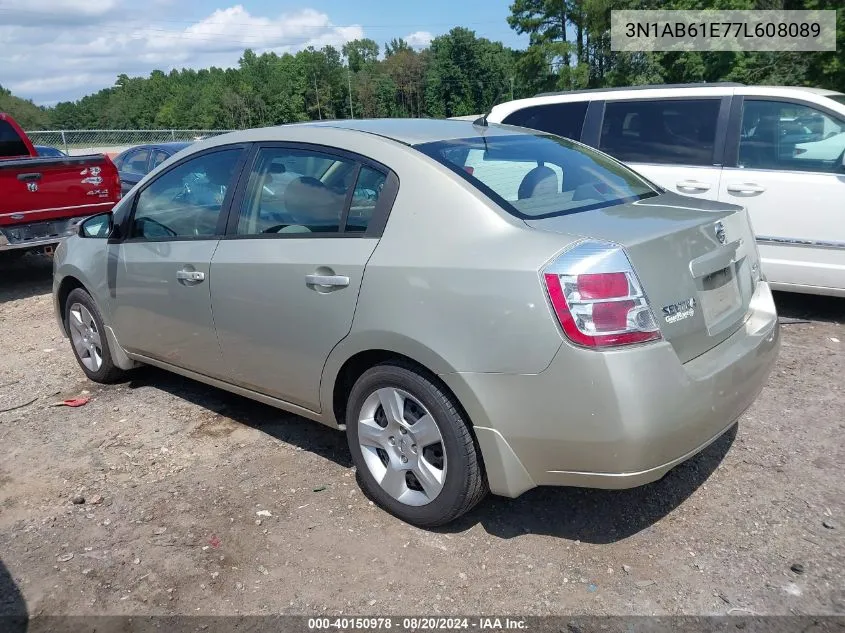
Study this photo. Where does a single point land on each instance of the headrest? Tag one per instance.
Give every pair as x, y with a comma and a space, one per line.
540, 181
307, 196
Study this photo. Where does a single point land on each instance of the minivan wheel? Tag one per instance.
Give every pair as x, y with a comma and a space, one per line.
88, 338
412, 447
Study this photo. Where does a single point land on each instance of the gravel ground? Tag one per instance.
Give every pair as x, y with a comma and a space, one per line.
198, 501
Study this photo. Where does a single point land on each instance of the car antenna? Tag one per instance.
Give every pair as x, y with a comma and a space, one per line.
482, 120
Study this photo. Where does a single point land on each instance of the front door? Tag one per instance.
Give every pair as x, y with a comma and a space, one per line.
162, 302
288, 272
790, 177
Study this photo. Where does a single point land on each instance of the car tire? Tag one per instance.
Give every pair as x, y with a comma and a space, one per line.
88, 338
446, 477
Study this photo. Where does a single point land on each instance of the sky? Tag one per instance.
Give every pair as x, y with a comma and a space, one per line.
61, 50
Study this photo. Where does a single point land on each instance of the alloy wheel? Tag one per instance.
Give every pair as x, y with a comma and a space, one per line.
86, 338
402, 446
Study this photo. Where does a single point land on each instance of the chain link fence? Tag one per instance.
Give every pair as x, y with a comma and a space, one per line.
112, 142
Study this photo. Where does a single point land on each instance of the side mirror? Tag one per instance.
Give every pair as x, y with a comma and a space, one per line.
97, 226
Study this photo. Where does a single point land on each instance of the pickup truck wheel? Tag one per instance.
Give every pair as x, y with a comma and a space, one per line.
412, 446
88, 338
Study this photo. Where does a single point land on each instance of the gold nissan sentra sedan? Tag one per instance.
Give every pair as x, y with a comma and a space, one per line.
480, 307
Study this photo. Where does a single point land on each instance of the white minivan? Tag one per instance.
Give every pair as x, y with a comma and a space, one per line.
778, 151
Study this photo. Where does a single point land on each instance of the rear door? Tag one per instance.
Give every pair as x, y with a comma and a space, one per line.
677, 143
160, 279
288, 272
786, 168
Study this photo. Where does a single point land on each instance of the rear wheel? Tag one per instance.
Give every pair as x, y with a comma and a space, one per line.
88, 338
412, 447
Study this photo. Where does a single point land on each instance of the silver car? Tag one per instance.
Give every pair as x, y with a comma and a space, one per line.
480, 307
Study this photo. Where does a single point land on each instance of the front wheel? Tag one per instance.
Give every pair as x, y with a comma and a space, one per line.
88, 338
412, 447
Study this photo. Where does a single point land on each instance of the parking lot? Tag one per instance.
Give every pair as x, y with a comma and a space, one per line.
198, 501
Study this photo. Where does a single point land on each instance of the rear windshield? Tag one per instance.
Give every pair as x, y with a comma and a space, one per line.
539, 176
837, 98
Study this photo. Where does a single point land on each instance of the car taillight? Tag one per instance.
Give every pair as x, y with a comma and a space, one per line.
597, 297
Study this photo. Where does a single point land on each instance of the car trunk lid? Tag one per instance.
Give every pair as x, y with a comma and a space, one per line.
696, 260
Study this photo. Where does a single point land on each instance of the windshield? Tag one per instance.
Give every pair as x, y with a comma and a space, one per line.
539, 176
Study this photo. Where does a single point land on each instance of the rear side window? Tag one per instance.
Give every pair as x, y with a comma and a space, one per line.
158, 158
136, 162
539, 176
298, 191
671, 131
563, 119
10, 142
367, 193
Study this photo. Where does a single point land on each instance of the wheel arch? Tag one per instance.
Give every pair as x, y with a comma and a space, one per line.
353, 356
68, 284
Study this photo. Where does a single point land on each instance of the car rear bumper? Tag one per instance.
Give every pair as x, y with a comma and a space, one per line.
620, 418
37, 234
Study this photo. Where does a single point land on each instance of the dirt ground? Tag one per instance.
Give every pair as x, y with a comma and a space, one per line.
202, 502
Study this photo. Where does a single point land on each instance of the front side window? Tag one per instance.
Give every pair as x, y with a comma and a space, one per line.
563, 119
537, 176
671, 131
296, 191
790, 137
186, 201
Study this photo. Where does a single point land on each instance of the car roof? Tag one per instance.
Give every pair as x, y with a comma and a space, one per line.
173, 145
727, 87
716, 89
406, 131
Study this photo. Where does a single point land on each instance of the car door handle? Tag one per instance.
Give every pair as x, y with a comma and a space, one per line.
327, 280
745, 187
693, 185
190, 275
29, 177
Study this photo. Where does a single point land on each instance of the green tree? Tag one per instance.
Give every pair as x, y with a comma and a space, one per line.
360, 53
395, 46
466, 73
28, 115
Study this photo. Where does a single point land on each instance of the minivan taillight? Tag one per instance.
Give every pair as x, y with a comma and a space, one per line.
597, 297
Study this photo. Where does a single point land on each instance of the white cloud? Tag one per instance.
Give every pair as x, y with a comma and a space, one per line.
419, 39
41, 12
47, 62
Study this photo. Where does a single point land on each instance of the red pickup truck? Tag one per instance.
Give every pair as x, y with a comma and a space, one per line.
43, 199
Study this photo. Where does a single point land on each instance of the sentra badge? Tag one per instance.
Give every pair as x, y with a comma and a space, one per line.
679, 311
